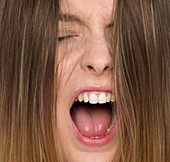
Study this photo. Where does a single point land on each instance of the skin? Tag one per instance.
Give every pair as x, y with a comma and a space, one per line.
83, 59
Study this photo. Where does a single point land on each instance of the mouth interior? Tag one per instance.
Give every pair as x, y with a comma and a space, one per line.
93, 120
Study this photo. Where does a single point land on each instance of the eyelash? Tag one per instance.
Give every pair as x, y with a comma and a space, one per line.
62, 38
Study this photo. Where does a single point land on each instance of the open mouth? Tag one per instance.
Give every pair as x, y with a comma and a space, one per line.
94, 116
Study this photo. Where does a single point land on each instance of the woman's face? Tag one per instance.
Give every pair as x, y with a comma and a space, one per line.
85, 121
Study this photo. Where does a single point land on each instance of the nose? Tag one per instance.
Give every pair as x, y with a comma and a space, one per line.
97, 58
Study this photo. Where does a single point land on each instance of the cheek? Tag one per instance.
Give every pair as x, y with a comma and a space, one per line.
67, 63
65, 72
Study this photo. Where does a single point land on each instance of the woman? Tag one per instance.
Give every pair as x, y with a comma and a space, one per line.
88, 83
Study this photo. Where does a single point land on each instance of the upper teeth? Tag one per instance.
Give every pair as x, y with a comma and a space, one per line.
94, 97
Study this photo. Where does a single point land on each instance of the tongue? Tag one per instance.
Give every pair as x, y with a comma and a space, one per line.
92, 121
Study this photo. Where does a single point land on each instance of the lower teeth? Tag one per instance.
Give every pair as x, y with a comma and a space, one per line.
96, 137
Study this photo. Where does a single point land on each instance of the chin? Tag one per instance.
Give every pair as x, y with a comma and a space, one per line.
90, 157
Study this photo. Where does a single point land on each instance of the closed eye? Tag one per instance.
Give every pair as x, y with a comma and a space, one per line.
65, 37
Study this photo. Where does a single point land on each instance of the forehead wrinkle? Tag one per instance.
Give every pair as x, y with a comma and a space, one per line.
100, 8
68, 17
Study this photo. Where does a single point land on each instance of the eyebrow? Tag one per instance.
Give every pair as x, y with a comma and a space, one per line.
70, 18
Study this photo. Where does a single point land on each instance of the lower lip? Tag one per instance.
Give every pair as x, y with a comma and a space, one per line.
104, 140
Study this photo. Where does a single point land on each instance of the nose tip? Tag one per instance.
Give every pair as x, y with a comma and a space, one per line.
97, 58
98, 67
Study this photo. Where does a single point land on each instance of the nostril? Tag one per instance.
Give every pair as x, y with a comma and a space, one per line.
106, 68
98, 69
90, 67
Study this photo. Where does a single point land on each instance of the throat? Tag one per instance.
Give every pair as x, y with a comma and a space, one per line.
92, 120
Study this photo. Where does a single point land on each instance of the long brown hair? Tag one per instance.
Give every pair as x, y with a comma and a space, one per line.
28, 33
141, 51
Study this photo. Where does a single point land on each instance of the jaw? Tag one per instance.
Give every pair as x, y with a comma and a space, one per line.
99, 156
76, 146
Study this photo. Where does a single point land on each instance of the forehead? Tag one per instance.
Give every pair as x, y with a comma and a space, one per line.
88, 8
